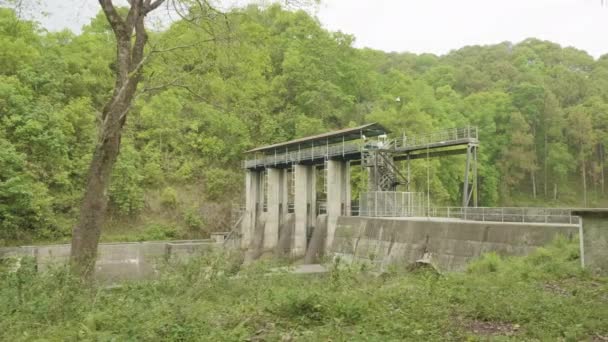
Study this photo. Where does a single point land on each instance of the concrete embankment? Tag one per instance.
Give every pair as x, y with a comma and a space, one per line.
448, 244
119, 261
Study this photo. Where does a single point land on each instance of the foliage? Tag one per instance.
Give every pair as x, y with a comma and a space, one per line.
168, 198
272, 74
125, 191
159, 232
193, 219
545, 296
221, 184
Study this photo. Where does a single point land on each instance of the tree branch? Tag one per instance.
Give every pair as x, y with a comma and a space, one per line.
116, 22
151, 6
133, 15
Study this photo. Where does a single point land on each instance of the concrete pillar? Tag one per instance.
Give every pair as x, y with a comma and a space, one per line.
277, 206
304, 206
346, 187
594, 239
254, 201
338, 195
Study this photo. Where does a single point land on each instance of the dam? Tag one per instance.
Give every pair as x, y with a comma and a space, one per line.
298, 202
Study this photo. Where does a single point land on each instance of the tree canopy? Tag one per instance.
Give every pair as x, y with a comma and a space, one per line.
267, 74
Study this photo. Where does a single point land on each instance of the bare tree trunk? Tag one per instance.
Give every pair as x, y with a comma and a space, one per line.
555, 191
129, 60
533, 184
602, 166
545, 165
584, 178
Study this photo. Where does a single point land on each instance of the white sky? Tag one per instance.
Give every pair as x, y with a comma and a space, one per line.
435, 26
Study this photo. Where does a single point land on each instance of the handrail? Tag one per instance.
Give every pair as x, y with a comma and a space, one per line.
506, 214
341, 149
441, 136
234, 229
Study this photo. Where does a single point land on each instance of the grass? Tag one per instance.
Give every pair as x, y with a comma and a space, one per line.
545, 296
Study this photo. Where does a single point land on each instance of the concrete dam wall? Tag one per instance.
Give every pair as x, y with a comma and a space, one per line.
448, 244
118, 261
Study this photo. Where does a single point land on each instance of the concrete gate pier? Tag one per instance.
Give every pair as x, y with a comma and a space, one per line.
338, 195
594, 239
304, 207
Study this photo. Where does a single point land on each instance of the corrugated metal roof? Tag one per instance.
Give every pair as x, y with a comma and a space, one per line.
370, 130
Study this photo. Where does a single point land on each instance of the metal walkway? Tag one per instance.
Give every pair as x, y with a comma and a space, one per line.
439, 143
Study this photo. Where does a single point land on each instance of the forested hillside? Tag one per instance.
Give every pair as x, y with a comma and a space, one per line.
262, 75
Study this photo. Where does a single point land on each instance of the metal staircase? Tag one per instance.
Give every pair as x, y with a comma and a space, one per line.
383, 174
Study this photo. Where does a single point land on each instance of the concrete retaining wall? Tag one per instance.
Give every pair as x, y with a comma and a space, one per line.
117, 261
449, 244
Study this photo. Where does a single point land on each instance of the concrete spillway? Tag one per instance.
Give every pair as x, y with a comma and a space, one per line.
449, 244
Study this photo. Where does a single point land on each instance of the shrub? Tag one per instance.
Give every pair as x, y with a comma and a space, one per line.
126, 192
168, 198
193, 219
303, 307
488, 263
159, 232
220, 183
25, 205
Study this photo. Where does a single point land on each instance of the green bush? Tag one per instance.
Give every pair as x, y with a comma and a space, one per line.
488, 263
159, 232
221, 183
193, 219
25, 204
126, 192
168, 198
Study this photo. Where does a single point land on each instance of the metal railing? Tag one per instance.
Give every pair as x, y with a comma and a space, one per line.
341, 149
443, 136
512, 214
316, 152
391, 204
412, 204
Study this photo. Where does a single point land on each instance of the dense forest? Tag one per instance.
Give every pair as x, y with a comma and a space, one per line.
265, 74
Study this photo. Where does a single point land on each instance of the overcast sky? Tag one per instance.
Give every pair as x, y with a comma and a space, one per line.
435, 26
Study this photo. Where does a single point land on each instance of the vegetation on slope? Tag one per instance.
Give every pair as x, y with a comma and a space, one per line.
545, 296
271, 75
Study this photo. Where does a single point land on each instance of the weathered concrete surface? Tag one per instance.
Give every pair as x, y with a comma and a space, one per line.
285, 247
254, 198
338, 195
219, 237
594, 242
309, 269
448, 244
316, 246
117, 261
304, 206
255, 249
277, 207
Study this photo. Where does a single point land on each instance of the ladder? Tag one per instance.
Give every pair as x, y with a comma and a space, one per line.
292, 189
325, 176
